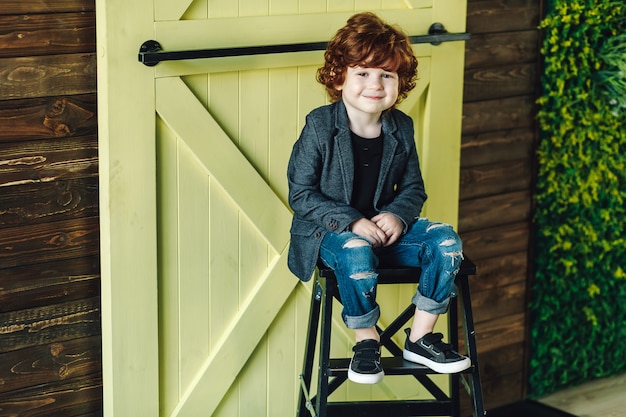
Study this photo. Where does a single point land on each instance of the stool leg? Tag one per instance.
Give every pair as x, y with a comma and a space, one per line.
476, 393
324, 359
304, 401
453, 331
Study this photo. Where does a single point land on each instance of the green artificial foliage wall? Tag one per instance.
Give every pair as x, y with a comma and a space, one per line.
578, 306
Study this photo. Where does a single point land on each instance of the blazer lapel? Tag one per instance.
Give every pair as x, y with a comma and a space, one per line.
390, 143
343, 146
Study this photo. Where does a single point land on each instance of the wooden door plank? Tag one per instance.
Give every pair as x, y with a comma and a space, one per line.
223, 100
225, 263
253, 8
227, 165
255, 257
128, 211
254, 119
283, 7
221, 8
244, 332
281, 361
419, 4
270, 30
253, 382
165, 10
168, 265
283, 124
193, 264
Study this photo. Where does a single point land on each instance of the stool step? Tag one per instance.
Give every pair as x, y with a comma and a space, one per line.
396, 408
391, 365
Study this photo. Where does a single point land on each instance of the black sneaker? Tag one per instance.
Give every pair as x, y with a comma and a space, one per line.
432, 352
365, 364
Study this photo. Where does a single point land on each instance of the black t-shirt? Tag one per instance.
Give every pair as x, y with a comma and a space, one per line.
367, 156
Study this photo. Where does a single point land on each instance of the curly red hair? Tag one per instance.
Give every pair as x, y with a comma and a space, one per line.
367, 41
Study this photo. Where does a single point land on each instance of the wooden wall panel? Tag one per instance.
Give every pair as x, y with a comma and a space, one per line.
502, 15
498, 115
38, 285
494, 210
50, 327
39, 35
45, 76
38, 202
502, 145
497, 171
41, 243
12, 7
49, 117
58, 322
52, 362
506, 80
75, 397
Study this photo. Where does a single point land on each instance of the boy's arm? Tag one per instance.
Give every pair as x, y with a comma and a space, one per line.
305, 197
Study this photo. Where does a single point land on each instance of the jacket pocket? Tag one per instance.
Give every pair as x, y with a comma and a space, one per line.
302, 228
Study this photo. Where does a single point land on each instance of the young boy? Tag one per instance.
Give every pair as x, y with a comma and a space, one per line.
356, 190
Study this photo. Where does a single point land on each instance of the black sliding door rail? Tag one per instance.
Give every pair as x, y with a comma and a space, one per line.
151, 52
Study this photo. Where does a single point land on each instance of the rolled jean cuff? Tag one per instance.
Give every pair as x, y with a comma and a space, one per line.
363, 322
430, 306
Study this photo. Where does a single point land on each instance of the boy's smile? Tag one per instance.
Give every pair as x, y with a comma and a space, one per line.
369, 91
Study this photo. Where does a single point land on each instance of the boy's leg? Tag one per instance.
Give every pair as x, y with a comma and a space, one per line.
354, 263
437, 249
422, 324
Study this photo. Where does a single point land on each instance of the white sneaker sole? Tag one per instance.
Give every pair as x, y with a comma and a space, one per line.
442, 368
365, 378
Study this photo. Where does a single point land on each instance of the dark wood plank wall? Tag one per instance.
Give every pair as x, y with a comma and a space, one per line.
499, 135
50, 345
50, 333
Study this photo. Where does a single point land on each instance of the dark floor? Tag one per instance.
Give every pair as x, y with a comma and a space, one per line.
527, 408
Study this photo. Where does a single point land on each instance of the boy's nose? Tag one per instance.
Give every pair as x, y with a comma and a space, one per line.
375, 83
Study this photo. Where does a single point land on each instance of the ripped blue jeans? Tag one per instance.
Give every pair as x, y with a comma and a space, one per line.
435, 247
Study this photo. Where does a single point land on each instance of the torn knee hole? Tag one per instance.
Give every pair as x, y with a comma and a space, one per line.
436, 226
448, 242
354, 243
454, 254
362, 275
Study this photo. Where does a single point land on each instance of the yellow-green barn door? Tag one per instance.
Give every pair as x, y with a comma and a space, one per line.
201, 316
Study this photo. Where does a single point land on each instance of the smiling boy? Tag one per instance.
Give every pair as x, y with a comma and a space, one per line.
356, 190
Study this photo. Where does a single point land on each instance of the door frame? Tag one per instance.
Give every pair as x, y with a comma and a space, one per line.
126, 131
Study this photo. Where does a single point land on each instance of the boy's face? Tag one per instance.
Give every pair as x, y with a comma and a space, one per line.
369, 90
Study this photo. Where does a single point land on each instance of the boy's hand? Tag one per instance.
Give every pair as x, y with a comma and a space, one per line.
391, 225
368, 230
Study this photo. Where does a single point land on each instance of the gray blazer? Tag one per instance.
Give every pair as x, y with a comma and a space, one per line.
321, 174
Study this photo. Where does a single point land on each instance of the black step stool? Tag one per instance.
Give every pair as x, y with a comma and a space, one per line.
333, 372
